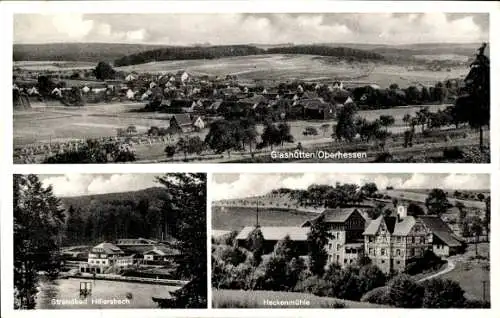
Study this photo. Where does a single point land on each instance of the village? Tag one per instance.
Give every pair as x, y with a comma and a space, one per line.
163, 116
389, 232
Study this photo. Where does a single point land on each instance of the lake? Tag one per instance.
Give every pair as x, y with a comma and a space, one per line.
65, 294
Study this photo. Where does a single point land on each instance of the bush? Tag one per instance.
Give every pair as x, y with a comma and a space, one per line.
313, 285
453, 153
384, 157
472, 303
442, 293
404, 292
379, 295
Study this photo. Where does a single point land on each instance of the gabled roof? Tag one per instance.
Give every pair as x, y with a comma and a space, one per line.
107, 248
162, 251
401, 228
182, 119
276, 233
440, 229
338, 215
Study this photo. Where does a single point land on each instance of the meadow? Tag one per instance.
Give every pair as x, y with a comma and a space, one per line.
277, 67
235, 218
256, 298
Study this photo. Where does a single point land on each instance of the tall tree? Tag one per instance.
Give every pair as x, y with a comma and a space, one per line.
475, 105
477, 230
317, 239
188, 194
346, 129
38, 223
437, 202
104, 71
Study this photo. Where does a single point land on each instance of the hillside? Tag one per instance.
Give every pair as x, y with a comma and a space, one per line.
151, 194
82, 52
127, 53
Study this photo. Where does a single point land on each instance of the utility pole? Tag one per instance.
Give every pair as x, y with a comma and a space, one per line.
257, 215
484, 290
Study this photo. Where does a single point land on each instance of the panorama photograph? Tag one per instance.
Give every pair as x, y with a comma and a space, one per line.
251, 88
310, 240
98, 241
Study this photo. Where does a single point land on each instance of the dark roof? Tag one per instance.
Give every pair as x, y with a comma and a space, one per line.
440, 229
314, 104
182, 119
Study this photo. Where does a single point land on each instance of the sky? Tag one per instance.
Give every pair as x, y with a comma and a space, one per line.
231, 186
257, 28
84, 184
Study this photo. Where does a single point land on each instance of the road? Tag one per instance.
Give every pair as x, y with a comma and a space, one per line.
450, 265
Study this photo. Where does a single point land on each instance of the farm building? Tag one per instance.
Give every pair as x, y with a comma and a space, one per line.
198, 123
161, 253
274, 234
317, 109
346, 225
181, 123
444, 241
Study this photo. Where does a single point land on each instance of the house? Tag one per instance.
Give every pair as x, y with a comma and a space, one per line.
346, 226
160, 253
101, 257
274, 234
181, 123
317, 109
198, 123
392, 242
131, 77
444, 241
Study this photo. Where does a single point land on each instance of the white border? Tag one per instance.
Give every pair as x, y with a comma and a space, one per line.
8, 8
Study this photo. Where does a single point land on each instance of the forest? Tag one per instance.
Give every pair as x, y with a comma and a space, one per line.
107, 217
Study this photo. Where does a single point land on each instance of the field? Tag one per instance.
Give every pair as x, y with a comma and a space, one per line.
44, 123
470, 274
301, 67
255, 299
420, 197
235, 218
53, 65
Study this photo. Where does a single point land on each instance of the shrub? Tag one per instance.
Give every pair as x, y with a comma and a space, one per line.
453, 153
442, 293
313, 285
404, 292
379, 295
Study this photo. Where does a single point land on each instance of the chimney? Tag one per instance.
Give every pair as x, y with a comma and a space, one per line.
401, 212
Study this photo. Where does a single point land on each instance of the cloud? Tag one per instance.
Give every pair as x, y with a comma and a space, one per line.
83, 184
231, 28
258, 184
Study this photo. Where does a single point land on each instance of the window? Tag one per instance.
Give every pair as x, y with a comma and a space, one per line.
413, 239
382, 251
382, 261
418, 239
338, 247
330, 246
398, 252
370, 239
370, 251
397, 262
345, 261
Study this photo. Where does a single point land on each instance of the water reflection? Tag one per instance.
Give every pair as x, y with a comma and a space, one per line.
65, 294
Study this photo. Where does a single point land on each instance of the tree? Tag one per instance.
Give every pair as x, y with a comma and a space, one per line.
415, 210
461, 211
255, 244
317, 239
487, 215
480, 196
284, 133
477, 230
345, 128
386, 121
437, 202
38, 224
404, 292
475, 105
170, 151
223, 136
369, 189
104, 71
442, 293
407, 119
325, 128
371, 277
188, 194
271, 136
249, 133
